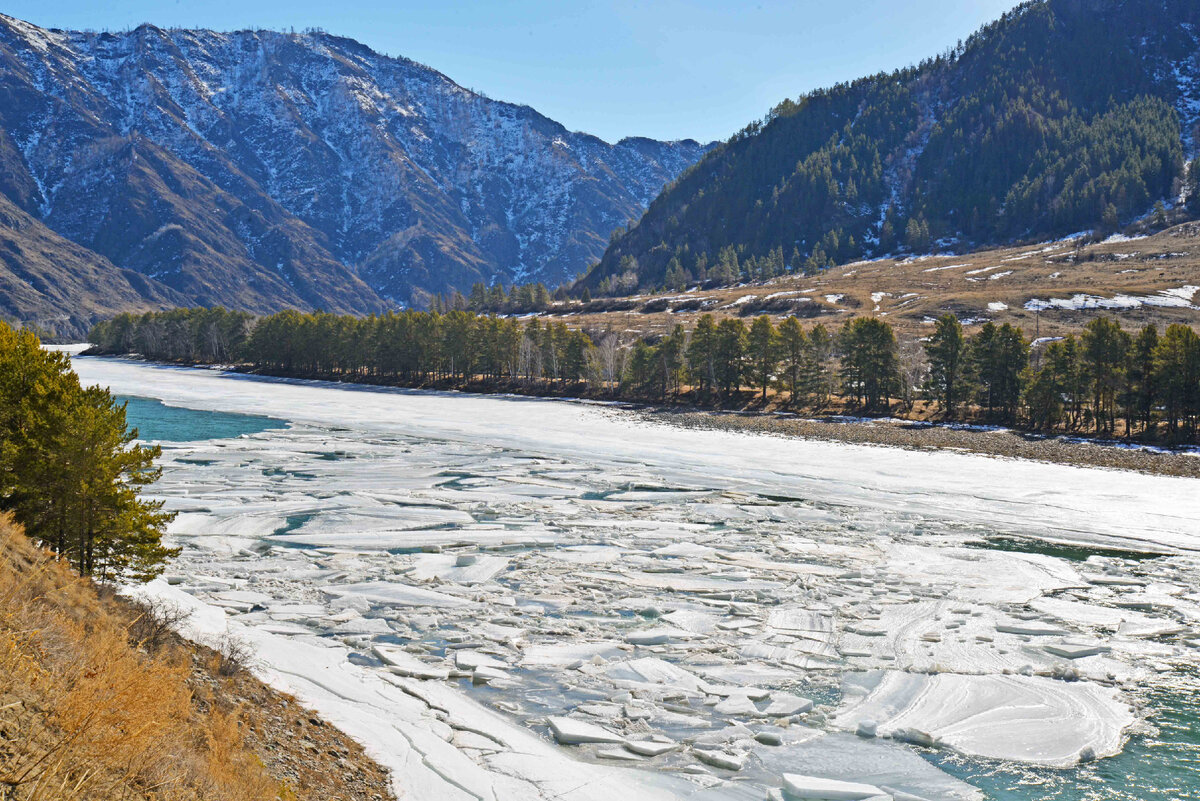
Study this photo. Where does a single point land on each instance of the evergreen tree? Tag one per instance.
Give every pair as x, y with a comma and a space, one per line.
998, 357
870, 363
671, 360
70, 469
916, 235
640, 368
793, 346
1159, 218
947, 353
1110, 220
676, 278
1043, 390
1106, 354
729, 349
763, 353
819, 372
700, 354
1177, 365
1141, 381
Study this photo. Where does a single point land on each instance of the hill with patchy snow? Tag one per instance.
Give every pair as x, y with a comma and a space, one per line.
1064, 115
259, 170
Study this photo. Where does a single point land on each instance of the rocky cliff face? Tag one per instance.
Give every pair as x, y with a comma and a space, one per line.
260, 169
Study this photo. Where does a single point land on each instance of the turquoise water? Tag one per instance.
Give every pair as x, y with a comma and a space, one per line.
154, 420
1163, 766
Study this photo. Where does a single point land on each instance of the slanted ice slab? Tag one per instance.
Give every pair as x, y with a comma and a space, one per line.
810, 787
569, 731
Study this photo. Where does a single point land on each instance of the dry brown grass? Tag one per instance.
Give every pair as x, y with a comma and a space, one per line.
910, 293
85, 715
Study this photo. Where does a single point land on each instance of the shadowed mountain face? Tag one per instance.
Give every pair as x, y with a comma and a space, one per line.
59, 287
260, 170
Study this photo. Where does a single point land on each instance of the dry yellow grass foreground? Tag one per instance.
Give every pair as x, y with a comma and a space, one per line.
97, 705
84, 715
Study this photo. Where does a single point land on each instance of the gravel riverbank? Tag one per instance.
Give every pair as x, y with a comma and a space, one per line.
923, 436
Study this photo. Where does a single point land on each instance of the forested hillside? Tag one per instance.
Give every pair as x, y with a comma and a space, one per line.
1063, 115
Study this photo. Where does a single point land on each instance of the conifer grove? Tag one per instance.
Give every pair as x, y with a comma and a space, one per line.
1102, 381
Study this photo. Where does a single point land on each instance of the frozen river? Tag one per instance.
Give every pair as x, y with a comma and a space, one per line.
508, 598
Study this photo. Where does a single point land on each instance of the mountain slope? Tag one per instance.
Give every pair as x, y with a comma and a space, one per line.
62, 288
1063, 115
259, 169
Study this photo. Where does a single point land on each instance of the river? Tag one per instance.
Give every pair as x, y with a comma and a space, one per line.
446, 576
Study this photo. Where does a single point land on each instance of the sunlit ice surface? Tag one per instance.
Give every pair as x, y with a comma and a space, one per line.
464, 582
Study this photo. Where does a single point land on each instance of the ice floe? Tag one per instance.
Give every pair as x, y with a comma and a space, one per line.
1026, 719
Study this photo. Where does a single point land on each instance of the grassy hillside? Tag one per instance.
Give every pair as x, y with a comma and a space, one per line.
100, 701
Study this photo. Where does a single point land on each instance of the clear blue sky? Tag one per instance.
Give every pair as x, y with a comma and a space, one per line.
668, 69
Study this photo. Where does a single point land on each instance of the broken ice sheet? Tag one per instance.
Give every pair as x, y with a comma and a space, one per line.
765, 572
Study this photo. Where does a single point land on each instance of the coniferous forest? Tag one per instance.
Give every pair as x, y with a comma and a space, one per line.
1105, 381
1059, 117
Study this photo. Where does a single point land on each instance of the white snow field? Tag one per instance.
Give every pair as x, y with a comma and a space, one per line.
511, 598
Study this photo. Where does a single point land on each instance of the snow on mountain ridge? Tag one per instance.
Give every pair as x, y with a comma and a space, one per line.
413, 181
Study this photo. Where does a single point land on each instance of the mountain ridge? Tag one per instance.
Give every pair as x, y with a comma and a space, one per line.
1030, 129
258, 169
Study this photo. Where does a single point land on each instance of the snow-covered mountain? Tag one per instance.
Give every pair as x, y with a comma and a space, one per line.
261, 169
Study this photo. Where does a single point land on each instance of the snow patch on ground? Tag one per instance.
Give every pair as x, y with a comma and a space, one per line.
1181, 297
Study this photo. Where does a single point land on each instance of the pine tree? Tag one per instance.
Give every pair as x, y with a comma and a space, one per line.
1043, 391
729, 349
763, 353
947, 353
1159, 218
70, 469
998, 356
671, 359
916, 235
1110, 220
700, 352
1177, 365
793, 345
1141, 381
818, 375
675, 279
870, 363
1106, 354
